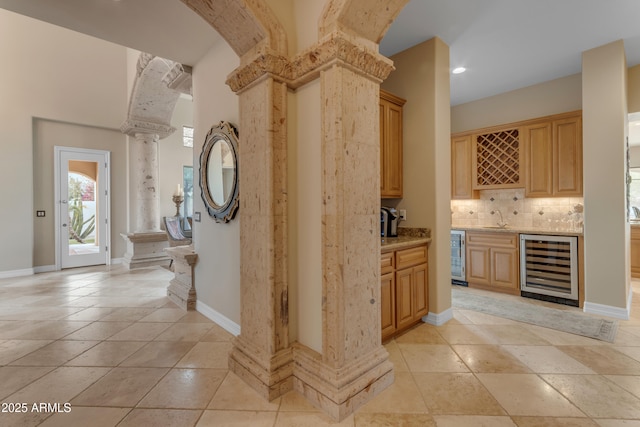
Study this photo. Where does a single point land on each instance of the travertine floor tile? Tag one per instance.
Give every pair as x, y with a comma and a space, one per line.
140, 332
456, 394
527, 394
395, 357
596, 396
632, 352
184, 332
235, 394
87, 416
55, 354
11, 350
555, 337
422, 334
489, 358
547, 360
60, 385
91, 314
165, 315
127, 314
108, 353
98, 331
603, 359
478, 318
184, 388
120, 387
473, 421
465, 334
618, 423
553, 422
514, 334
214, 355
318, 419
401, 397
13, 378
159, 354
161, 417
627, 382
237, 418
431, 358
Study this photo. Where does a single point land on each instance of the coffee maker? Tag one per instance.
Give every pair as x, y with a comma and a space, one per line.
389, 219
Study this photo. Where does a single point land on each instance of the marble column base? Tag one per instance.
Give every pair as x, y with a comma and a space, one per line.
145, 249
181, 289
340, 391
270, 378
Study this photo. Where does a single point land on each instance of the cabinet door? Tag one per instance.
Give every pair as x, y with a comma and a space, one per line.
461, 167
390, 145
420, 291
538, 151
388, 304
478, 265
404, 295
504, 269
567, 157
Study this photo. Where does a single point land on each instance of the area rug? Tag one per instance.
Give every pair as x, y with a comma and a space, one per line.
561, 320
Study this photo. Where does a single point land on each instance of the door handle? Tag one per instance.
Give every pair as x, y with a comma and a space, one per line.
64, 202
64, 225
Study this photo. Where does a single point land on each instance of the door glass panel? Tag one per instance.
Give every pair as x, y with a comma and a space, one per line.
82, 205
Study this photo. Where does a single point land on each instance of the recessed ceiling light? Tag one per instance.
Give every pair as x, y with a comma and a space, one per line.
459, 70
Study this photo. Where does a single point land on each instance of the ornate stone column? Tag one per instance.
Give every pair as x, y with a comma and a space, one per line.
261, 354
156, 90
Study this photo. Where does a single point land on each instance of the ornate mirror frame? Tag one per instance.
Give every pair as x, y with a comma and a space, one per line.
226, 211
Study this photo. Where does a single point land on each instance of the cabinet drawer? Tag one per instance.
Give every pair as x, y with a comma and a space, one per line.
410, 257
387, 262
501, 239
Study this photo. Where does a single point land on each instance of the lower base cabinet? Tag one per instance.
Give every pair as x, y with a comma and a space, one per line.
404, 296
635, 251
493, 261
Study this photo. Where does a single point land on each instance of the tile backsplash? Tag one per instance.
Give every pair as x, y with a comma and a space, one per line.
556, 213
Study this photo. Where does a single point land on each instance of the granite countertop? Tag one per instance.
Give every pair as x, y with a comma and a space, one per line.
401, 242
520, 230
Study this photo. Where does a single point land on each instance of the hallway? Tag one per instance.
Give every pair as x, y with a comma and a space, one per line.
107, 342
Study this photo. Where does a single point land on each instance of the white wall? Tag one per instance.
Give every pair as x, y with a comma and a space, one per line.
57, 75
217, 272
60, 87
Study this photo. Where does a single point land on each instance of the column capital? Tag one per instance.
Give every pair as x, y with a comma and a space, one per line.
335, 48
132, 127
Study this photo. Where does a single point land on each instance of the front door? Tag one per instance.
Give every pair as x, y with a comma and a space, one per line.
82, 197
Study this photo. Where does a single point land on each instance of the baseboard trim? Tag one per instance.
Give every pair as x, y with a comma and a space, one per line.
215, 316
608, 310
16, 273
438, 319
116, 260
44, 269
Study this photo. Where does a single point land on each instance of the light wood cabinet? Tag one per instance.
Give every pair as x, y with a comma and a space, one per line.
635, 251
493, 261
461, 166
542, 155
390, 145
553, 157
404, 296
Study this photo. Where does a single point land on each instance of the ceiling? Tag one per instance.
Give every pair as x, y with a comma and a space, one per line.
504, 44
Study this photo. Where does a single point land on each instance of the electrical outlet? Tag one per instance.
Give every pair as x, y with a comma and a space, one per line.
403, 214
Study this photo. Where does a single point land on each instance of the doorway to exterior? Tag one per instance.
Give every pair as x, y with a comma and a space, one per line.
82, 207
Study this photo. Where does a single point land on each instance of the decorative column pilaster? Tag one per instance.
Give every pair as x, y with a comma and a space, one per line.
261, 354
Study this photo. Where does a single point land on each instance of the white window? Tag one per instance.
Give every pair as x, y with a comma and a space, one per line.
187, 136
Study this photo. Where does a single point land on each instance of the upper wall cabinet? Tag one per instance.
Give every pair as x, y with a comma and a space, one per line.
553, 157
461, 166
496, 157
390, 145
543, 156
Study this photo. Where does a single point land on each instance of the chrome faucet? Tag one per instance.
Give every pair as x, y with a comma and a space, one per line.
501, 223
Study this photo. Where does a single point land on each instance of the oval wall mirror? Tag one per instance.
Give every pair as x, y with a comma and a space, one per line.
219, 172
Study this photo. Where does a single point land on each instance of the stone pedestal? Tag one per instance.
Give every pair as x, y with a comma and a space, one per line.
145, 249
181, 289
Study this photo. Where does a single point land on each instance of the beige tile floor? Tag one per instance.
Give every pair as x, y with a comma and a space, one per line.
108, 343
